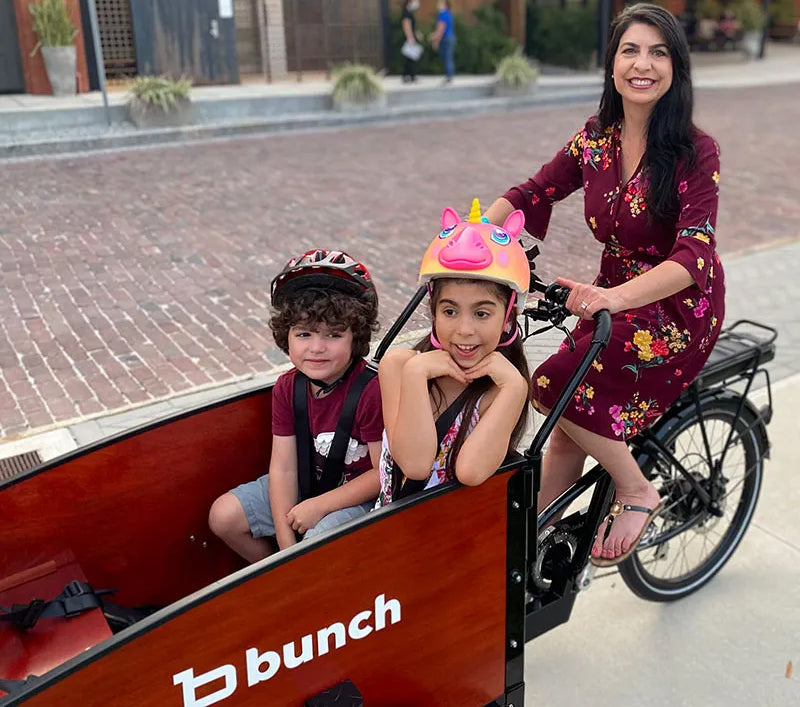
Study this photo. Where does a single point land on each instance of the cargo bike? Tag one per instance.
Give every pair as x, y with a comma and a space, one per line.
372, 612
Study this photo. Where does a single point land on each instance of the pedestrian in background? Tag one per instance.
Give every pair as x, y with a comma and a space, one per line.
443, 39
411, 47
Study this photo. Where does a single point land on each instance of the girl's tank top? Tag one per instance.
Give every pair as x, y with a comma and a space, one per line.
439, 471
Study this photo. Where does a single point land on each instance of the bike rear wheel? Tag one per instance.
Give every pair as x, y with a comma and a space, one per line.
692, 544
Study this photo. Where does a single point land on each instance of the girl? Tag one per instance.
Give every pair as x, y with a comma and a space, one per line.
469, 377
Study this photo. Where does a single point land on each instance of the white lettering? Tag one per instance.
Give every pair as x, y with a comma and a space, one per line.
290, 660
254, 662
381, 607
355, 630
190, 683
264, 666
324, 634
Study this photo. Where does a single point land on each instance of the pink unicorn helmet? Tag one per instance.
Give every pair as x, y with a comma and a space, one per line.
479, 250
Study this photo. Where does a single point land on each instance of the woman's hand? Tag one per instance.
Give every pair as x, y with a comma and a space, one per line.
306, 514
435, 364
585, 301
502, 372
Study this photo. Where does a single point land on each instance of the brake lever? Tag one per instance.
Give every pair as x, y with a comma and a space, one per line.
568, 334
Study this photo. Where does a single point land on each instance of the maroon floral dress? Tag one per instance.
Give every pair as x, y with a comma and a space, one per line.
655, 350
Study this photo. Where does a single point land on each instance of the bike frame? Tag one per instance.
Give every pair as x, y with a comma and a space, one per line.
739, 361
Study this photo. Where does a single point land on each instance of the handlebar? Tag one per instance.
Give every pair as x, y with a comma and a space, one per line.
552, 308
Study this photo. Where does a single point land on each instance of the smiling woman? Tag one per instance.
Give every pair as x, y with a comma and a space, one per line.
650, 183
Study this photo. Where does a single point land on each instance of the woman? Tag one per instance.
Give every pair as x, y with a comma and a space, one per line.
409, 25
650, 181
443, 39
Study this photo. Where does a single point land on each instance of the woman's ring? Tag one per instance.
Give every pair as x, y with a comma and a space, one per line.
584, 305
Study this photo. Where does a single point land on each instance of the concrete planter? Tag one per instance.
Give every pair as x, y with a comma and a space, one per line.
751, 43
504, 90
146, 115
59, 62
343, 106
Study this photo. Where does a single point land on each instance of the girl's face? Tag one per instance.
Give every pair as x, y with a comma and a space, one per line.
642, 66
469, 320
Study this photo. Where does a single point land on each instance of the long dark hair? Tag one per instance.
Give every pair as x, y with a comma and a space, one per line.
514, 352
670, 130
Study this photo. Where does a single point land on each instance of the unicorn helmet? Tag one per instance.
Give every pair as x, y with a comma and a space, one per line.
478, 249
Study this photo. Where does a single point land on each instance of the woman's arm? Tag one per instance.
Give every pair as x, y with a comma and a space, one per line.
499, 211
407, 31
283, 487
664, 280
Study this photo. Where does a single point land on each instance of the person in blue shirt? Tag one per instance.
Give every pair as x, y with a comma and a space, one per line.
443, 39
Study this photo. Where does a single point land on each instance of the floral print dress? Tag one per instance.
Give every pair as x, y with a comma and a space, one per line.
655, 350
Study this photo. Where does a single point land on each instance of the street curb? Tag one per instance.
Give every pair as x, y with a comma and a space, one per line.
294, 123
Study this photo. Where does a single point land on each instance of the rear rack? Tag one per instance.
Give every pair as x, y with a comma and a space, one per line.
742, 347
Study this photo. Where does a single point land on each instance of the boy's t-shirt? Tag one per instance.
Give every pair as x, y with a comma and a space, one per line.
323, 414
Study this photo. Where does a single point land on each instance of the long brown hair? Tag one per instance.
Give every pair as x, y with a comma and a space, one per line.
514, 352
670, 131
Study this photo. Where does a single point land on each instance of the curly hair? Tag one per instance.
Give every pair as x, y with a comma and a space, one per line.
313, 306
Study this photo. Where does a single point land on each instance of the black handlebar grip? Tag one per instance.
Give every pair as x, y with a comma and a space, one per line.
557, 294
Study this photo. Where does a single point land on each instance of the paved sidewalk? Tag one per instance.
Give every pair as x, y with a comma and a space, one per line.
41, 125
730, 643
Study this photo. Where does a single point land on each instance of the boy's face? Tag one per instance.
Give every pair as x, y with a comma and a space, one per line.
320, 352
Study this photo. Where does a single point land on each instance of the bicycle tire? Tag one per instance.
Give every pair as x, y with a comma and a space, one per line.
645, 572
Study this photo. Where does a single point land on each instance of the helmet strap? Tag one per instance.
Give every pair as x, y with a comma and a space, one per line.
511, 301
325, 388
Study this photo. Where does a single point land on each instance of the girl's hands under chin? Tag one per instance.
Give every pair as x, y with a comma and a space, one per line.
502, 372
437, 364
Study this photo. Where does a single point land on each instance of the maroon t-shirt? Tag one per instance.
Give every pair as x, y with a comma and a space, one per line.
323, 414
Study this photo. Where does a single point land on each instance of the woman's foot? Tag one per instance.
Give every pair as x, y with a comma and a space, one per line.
627, 527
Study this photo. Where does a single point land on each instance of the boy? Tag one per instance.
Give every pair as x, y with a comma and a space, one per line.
325, 309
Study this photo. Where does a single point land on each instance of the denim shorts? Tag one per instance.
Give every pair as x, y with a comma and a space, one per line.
254, 497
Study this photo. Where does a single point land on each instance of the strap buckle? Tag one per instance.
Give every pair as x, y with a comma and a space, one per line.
77, 597
26, 615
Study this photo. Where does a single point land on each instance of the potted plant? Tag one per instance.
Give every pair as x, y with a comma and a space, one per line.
751, 17
357, 87
159, 101
709, 13
515, 75
55, 33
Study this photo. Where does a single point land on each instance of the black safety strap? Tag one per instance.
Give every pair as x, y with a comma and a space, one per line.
402, 486
334, 464
76, 598
331, 478
302, 431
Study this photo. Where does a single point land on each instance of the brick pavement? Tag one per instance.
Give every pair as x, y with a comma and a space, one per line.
136, 276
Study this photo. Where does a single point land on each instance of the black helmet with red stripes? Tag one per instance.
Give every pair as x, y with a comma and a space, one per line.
324, 269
